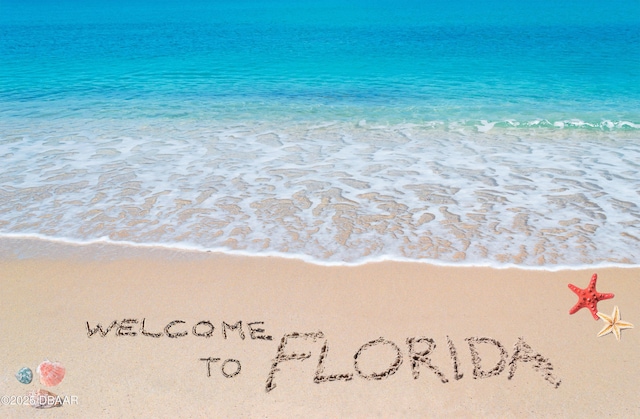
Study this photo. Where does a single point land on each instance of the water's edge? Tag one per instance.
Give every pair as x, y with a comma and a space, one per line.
29, 246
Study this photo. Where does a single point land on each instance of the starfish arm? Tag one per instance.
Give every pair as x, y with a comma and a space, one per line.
616, 315
605, 296
575, 289
624, 325
594, 312
605, 318
575, 308
616, 331
605, 330
592, 283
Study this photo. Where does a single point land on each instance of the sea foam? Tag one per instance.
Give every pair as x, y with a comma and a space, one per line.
330, 191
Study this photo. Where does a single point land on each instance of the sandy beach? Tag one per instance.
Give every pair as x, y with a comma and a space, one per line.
160, 333
320, 209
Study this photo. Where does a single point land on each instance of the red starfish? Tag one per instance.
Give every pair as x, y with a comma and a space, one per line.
588, 297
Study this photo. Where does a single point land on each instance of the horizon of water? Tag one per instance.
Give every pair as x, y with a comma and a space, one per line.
484, 133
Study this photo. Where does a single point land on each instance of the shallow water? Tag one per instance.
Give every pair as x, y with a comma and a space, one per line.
469, 133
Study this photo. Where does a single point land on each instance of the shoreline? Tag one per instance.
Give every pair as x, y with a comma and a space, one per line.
383, 338
34, 245
410, 192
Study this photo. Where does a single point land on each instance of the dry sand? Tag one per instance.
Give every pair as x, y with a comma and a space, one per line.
364, 333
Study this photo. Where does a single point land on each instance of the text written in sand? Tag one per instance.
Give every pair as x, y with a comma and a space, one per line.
178, 329
418, 351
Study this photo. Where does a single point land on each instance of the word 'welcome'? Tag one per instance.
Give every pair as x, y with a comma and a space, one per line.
177, 329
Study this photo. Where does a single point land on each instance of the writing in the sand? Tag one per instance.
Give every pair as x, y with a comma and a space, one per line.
418, 351
178, 329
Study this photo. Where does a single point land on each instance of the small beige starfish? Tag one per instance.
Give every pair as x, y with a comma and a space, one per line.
614, 324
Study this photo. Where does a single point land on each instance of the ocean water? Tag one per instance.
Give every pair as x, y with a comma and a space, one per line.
459, 132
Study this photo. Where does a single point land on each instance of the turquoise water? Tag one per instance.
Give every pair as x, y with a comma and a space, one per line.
452, 131
397, 61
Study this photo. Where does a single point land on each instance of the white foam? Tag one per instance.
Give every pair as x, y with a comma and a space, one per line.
486, 126
332, 192
305, 258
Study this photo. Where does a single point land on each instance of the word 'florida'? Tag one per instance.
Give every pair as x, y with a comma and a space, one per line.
419, 351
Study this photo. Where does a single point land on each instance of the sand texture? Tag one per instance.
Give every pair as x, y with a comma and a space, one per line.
210, 335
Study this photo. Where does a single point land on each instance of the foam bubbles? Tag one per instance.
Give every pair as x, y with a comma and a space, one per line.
498, 193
